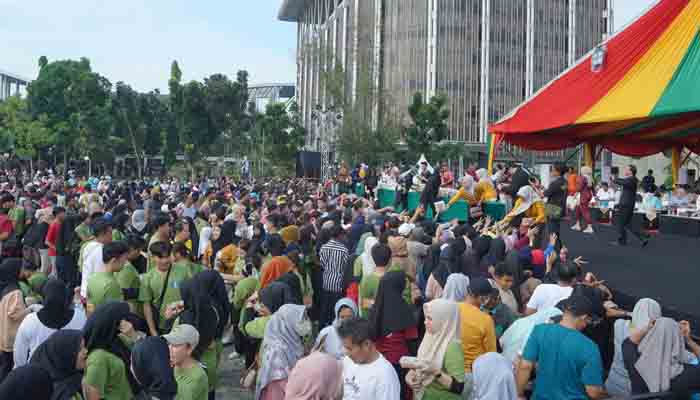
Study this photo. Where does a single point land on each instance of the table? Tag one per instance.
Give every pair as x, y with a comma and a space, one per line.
496, 210
679, 225
459, 210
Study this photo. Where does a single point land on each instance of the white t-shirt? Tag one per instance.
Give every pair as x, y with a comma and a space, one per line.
548, 295
32, 333
377, 380
92, 262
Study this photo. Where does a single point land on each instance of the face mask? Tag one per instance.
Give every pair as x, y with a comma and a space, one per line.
303, 328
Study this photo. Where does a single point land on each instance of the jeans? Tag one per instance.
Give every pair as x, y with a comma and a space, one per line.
468, 392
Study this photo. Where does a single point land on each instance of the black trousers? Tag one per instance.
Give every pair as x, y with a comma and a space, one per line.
7, 362
328, 300
624, 218
401, 200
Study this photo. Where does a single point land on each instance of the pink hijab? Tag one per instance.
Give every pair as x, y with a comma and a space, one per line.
316, 377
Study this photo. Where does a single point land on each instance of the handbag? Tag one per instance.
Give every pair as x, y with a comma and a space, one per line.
156, 310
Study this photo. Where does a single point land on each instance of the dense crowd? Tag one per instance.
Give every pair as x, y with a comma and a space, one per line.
131, 289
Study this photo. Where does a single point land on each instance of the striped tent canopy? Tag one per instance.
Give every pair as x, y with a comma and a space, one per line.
642, 99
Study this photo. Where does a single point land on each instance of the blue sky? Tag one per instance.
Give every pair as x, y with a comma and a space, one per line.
136, 40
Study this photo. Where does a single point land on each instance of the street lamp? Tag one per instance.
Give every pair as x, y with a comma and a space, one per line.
89, 161
327, 121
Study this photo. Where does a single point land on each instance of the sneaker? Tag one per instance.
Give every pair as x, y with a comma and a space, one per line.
576, 227
589, 229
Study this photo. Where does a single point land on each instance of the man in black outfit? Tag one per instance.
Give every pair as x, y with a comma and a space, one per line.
556, 196
519, 178
430, 193
625, 208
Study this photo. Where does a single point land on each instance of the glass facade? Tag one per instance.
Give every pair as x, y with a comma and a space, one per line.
489, 54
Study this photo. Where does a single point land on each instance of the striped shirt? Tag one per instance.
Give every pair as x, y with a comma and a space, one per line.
333, 256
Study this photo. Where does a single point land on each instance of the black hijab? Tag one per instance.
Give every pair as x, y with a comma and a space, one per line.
292, 280
228, 229
150, 362
58, 310
27, 382
101, 331
275, 295
450, 261
390, 312
211, 283
57, 355
9, 275
201, 313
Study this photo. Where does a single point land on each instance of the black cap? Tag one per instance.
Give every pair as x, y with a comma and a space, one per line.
577, 305
481, 287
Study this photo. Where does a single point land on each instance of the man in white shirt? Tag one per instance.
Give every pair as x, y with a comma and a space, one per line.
549, 295
92, 253
366, 373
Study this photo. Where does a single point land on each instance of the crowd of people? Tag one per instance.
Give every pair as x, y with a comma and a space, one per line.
131, 289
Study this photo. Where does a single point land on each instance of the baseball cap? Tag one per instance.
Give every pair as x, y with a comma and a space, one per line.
481, 287
183, 334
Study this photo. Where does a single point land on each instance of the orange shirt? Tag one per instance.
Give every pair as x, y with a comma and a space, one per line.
478, 333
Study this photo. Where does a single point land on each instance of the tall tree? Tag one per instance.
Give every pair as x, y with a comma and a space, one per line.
20, 133
282, 134
71, 98
428, 125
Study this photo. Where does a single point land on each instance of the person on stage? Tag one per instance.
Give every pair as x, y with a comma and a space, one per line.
628, 185
556, 201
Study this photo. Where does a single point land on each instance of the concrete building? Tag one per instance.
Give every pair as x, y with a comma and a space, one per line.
267, 93
11, 84
487, 56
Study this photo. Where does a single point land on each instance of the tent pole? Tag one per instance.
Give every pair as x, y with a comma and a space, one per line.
676, 153
589, 154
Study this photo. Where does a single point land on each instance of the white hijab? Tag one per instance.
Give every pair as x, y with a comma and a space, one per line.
529, 196
456, 288
468, 184
368, 264
432, 350
332, 344
204, 239
483, 175
494, 378
645, 311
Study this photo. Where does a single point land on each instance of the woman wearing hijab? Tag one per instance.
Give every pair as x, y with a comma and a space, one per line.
493, 378
243, 344
107, 373
645, 311
466, 192
394, 322
28, 382
515, 337
12, 311
204, 241
138, 223
450, 258
278, 265
221, 254
64, 357
58, 313
318, 376
150, 363
660, 362
439, 374
265, 304
529, 205
201, 312
282, 347
456, 288
294, 283
496, 254
472, 262
484, 190
328, 340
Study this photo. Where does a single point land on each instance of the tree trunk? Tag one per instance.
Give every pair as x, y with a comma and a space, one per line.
65, 161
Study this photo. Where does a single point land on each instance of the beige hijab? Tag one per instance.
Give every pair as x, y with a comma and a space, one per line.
432, 350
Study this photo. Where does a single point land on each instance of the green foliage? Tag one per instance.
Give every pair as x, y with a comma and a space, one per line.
428, 127
283, 135
19, 132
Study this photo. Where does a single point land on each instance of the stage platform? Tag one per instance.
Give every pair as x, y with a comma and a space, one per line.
667, 270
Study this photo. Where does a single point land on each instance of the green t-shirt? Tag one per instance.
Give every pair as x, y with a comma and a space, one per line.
192, 383
256, 328
190, 266
370, 284
103, 287
36, 282
152, 285
210, 361
130, 282
25, 289
453, 365
117, 235
107, 373
18, 215
83, 230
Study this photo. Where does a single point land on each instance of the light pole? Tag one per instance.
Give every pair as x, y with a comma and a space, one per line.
89, 161
328, 120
